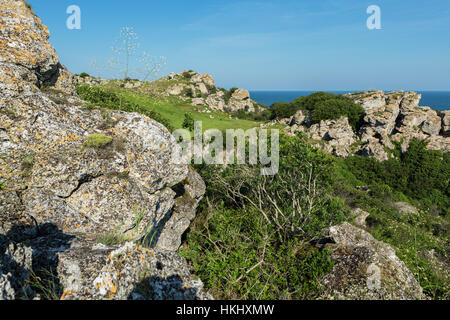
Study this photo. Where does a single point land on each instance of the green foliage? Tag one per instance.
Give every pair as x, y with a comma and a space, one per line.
187, 75
228, 94
321, 106
188, 92
97, 141
419, 173
252, 238
188, 122
414, 235
84, 75
102, 97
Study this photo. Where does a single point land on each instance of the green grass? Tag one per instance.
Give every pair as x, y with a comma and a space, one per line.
174, 109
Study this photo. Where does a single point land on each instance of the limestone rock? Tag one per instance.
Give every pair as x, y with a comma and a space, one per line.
405, 208
129, 272
374, 149
369, 99
169, 236
338, 134
367, 269
360, 217
72, 171
379, 120
445, 116
299, 118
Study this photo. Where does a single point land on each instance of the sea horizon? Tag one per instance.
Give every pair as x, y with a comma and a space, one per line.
435, 99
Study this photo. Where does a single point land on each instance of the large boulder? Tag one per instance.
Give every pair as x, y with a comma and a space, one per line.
367, 269
69, 171
129, 272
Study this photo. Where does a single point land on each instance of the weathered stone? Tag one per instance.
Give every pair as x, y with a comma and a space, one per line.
405, 208
367, 269
169, 236
299, 118
58, 181
130, 272
360, 217
338, 134
445, 116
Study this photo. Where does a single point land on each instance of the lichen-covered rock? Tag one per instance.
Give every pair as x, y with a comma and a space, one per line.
405, 208
6, 290
96, 272
379, 120
67, 170
169, 235
369, 99
15, 263
367, 269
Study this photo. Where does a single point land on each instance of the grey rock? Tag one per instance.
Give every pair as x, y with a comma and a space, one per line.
405, 208
60, 185
367, 269
129, 272
170, 233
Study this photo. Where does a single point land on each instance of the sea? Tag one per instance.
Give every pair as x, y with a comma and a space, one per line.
437, 100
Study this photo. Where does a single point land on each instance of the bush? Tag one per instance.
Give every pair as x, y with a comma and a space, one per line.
321, 106
419, 173
252, 238
188, 122
188, 92
84, 75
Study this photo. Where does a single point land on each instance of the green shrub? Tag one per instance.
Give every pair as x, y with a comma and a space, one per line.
84, 75
188, 122
252, 241
188, 92
321, 106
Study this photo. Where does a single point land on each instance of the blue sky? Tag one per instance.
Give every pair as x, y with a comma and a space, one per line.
276, 44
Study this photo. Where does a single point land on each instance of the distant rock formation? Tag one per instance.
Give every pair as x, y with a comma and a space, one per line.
390, 117
70, 176
190, 86
203, 91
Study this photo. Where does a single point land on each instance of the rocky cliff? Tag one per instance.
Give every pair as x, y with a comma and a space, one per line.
76, 184
394, 117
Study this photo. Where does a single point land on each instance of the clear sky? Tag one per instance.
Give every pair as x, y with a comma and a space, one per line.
273, 44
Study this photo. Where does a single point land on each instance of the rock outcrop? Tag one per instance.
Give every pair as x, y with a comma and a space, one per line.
367, 269
86, 173
338, 135
389, 118
201, 88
